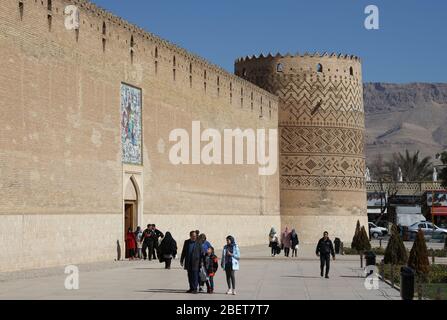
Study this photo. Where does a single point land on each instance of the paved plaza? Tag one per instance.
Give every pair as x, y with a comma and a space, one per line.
260, 277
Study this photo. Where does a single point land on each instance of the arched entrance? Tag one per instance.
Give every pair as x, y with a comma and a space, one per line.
131, 205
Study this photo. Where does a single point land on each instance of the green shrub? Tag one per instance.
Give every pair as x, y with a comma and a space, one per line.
438, 273
377, 251
440, 253
395, 252
354, 242
418, 259
387, 272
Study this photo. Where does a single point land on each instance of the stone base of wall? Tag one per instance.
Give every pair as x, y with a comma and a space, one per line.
48, 240
40, 241
310, 228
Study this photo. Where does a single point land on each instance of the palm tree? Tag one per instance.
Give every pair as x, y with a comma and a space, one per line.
413, 168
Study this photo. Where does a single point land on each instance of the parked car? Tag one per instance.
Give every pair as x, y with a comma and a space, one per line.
376, 231
443, 225
429, 228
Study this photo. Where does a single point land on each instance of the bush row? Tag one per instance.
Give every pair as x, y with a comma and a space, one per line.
437, 273
440, 253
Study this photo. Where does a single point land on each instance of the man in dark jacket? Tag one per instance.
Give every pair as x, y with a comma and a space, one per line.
147, 234
190, 260
153, 244
325, 249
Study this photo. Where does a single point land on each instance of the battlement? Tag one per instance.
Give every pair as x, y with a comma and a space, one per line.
134, 53
338, 66
298, 55
213, 70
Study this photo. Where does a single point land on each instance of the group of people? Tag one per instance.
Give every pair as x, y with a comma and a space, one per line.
143, 244
288, 240
201, 263
197, 257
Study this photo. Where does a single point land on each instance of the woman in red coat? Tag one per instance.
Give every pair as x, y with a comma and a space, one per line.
131, 244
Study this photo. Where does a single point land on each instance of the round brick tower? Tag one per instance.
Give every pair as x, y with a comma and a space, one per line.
321, 131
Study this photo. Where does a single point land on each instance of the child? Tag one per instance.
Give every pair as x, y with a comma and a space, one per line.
139, 240
130, 244
211, 266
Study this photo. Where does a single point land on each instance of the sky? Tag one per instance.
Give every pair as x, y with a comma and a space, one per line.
409, 46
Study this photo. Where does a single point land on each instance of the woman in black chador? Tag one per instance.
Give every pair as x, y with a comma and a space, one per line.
167, 250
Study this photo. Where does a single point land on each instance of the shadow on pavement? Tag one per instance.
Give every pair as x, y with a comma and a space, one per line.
162, 268
304, 277
175, 291
164, 291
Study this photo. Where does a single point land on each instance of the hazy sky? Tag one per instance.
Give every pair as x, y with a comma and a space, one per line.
410, 45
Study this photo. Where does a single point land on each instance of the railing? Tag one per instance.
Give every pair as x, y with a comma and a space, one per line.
403, 188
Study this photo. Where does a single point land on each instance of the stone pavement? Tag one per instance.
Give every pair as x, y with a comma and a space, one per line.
260, 277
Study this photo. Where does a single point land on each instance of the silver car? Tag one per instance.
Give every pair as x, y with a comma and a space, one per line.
376, 231
429, 228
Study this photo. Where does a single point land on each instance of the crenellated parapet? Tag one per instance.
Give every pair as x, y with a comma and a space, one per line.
334, 66
305, 54
103, 36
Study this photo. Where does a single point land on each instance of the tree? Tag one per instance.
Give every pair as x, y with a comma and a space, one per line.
418, 260
360, 241
413, 168
356, 235
384, 174
363, 244
379, 170
395, 252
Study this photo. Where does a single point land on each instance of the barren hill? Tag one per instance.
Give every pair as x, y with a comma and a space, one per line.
405, 116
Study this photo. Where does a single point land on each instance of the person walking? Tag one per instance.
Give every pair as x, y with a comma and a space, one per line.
190, 260
205, 246
230, 263
325, 249
147, 234
285, 241
130, 244
211, 266
294, 242
273, 241
167, 250
139, 242
153, 244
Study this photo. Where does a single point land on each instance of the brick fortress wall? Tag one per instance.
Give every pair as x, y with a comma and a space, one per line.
62, 177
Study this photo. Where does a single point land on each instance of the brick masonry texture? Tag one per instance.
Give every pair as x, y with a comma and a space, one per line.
63, 183
322, 130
